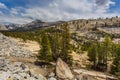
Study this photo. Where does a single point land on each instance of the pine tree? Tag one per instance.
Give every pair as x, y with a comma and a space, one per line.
115, 68
100, 53
107, 49
45, 51
92, 54
55, 41
66, 47
101, 64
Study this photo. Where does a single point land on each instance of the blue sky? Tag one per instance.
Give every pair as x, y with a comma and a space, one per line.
25, 11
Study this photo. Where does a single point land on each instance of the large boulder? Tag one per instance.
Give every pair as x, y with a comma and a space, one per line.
62, 70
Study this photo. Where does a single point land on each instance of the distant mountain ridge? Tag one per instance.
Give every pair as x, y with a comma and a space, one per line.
75, 24
29, 26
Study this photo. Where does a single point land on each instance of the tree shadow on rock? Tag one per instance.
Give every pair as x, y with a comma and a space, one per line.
42, 64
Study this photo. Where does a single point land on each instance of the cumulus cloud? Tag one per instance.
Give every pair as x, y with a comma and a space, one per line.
61, 10
104, 2
3, 6
103, 6
72, 9
13, 19
14, 11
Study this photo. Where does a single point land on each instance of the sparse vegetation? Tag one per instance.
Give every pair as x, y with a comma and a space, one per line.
115, 67
56, 42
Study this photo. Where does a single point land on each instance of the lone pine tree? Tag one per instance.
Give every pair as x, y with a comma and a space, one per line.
66, 47
45, 52
55, 42
92, 54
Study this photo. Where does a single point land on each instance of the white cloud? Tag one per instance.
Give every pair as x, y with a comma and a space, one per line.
14, 19
102, 6
53, 4
72, 9
62, 10
3, 6
13, 16
1, 13
14, 11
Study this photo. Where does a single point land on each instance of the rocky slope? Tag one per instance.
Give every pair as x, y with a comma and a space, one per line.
2, 27
32, 46
17, 71
95, 27
16, 64
21, 71
11, 48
